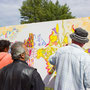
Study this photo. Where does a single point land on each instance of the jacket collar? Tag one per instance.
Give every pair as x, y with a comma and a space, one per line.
20, 61
76, 46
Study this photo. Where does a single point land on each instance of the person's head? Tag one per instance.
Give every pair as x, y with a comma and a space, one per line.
19, 51
79, 37
4, 45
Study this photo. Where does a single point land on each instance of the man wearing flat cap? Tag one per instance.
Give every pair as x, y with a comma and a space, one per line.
72, 64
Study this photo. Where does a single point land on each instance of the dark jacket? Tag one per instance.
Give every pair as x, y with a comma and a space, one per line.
19, 76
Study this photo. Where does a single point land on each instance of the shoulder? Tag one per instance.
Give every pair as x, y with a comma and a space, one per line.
6, 68
4, 55
7, 56
86, 56
63, 50
28, 70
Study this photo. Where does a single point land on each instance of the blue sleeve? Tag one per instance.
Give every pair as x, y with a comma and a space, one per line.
87, 76
52, 59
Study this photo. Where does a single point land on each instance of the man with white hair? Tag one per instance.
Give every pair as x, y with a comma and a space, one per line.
72, 63
18, 75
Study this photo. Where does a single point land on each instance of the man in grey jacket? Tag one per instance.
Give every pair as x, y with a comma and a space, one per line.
72, 63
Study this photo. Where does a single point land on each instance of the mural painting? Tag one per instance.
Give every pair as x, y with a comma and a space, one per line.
43, 39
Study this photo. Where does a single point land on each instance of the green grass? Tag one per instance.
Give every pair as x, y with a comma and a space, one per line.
46, 88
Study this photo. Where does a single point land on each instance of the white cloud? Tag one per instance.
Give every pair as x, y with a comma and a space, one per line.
10, 15
9, 21
8, 9
79, 8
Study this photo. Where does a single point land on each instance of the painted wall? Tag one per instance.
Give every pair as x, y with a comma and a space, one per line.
43, 39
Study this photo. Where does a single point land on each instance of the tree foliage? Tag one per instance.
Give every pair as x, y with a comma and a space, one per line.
43, 10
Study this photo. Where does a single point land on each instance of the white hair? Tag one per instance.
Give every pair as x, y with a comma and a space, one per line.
17, 49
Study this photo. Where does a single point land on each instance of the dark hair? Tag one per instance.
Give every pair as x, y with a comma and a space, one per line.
4, 44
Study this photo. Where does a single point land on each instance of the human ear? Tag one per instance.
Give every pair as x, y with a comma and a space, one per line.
22, 56
6, 49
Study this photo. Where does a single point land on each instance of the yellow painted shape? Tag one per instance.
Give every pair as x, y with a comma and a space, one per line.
53, 38
57, 28
86, 51
65, 40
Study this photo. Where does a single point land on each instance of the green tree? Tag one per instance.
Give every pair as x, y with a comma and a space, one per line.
43, 10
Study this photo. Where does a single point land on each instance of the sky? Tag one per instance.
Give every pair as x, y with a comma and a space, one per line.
10, 15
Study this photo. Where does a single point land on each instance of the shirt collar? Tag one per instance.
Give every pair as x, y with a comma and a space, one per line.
76, 46
20, 61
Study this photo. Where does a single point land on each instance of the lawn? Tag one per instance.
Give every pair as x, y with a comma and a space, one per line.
49, 88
